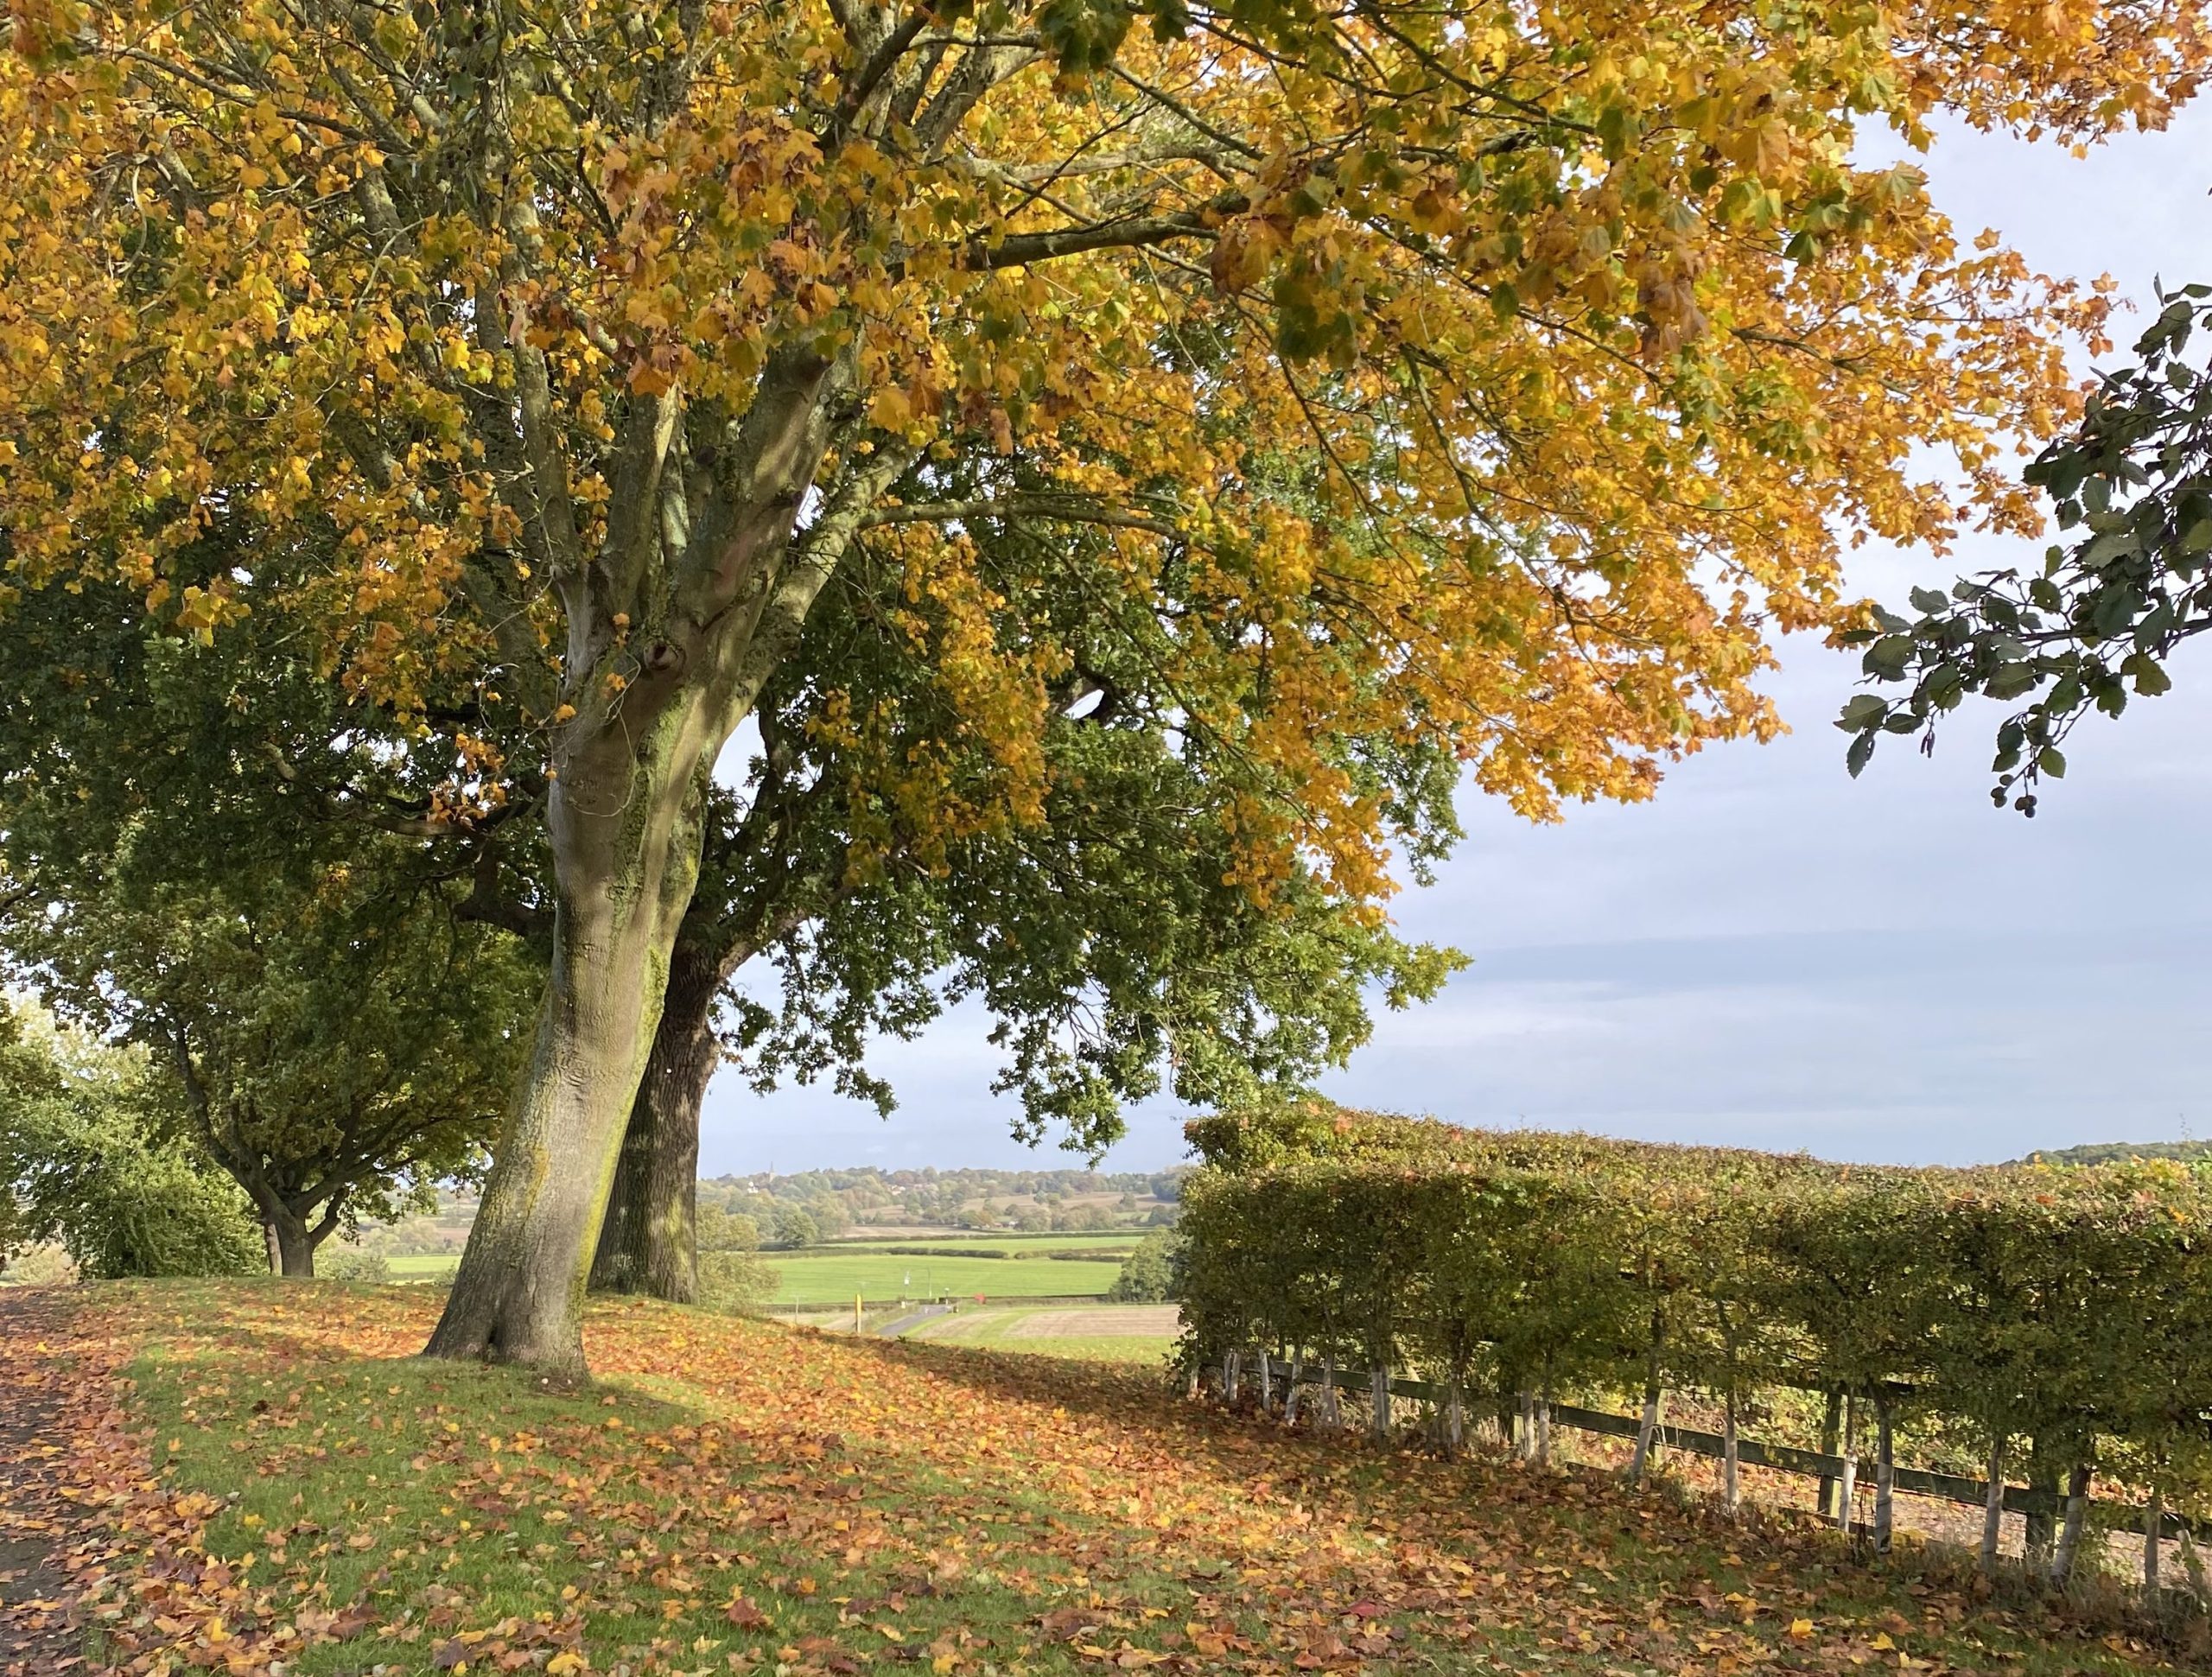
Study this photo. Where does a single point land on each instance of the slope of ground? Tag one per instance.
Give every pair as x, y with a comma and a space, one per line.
293, 1491
1114, 1333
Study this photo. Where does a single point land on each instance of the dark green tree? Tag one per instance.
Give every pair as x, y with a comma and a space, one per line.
2130, 580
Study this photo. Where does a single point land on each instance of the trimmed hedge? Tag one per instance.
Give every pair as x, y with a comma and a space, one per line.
2067, 1310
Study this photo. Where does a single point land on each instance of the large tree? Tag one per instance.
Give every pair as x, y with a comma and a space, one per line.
591, 336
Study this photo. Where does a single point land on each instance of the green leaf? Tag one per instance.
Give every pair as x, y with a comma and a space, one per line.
2051, 761
1082, 35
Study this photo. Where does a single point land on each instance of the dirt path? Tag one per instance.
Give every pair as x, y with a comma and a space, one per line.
36, 1637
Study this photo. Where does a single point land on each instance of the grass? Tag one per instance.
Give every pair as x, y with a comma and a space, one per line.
1015, 1331
423, 1266
832, 1275
747, 1498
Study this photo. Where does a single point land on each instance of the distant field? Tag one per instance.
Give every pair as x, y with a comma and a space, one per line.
836, 1274
1120, 1240
423, 1266
1104, 1333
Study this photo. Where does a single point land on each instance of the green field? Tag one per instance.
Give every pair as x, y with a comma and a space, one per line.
423, 1266
835, 1276
1104, 1333
1118, 1240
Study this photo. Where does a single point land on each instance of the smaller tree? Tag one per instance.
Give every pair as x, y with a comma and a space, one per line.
1148, 1273
88, 1157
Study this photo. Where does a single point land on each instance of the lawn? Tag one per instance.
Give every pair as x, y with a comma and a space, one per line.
834, 1274
423, 1266
1118, 1240
286, 1487
1111, 1333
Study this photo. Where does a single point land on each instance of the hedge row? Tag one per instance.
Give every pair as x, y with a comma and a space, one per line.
2062, 1314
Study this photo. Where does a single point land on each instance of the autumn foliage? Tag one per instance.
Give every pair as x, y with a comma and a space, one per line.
1486, 381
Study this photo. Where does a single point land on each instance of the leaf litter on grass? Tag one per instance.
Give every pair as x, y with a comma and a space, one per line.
282, 1489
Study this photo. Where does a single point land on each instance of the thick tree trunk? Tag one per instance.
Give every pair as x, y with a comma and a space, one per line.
295, 1246
648, 1241
627, 850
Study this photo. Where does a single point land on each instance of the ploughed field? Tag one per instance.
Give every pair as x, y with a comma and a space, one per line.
275, 1482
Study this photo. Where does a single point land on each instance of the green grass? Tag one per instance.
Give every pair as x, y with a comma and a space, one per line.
743, 1498
832, 1275
1000, 1330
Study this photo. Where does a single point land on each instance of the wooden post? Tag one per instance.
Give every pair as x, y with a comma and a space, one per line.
1848, 1486
1267, 1382
1884, 1472
1993, 1505
2069, 1533
2192, 1565
1525, 1429
1193, 1393
1647, 1431
2154, 1528
1230, 1371
1332, 1411
1455, 1419
1831, 1444
1544, 1430
1732, 1491
1290, 1392
1379, 1390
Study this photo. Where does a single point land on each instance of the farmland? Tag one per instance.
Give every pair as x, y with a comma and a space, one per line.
837, 1274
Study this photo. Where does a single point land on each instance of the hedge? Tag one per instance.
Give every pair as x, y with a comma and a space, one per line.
2061, 1316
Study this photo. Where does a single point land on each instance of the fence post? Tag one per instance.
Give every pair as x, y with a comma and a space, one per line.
1524, 1432
1230, 1371
2069, 1533
1544, 1429
1647, 1429
1332, 1411
1379, 1385
1290, 1392
1455, 1418
1884, 1473
1267, 1381
1993, 1505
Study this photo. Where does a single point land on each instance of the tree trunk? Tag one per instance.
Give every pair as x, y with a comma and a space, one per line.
2069, 1533
1379, 1403
1731, 1487
291, 1242
1847, 1489
1885, 1470
1655, 1401
2154, 1528
649, 1242
1993, 1507
627, 854
1831, 1444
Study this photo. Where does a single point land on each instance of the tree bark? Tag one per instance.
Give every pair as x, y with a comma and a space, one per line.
2070, 1532
1831, 1444
1847, 1489
626, 858
1993, 1507
648, 1241
1885, 1469
1732, 1489
1647, 1430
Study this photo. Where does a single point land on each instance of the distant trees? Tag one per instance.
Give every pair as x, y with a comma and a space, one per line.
1148, 1273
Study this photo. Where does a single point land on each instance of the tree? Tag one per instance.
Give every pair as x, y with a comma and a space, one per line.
88, 1157
591, 337
1147, 1274
2097, 624
339, 1039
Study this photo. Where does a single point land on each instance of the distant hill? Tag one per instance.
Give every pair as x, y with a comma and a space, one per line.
2119, 1152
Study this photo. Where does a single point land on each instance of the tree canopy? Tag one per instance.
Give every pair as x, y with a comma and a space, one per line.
1491, 379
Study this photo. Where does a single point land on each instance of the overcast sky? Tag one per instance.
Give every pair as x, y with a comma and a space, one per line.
1769, 954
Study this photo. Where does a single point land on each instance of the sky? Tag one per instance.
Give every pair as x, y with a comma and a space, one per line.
1769, 954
